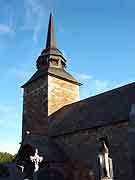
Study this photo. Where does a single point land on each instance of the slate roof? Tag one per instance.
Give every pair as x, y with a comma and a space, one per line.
62, 74
100, 110
36, 75
51, 40
57, 72
52, 51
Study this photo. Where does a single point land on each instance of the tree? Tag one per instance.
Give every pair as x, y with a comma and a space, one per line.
6, 157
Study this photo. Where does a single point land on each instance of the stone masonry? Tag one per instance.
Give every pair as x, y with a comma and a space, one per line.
42, 98
83, 146
60, 93
35, 109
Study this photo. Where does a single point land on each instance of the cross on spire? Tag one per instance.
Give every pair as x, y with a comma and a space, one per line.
51, 41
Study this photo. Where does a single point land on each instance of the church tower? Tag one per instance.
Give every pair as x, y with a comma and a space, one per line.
49, 89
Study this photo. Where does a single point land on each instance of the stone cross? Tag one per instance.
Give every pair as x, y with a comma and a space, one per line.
36, 159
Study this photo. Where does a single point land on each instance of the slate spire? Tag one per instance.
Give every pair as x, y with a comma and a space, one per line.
51, 56
51, 41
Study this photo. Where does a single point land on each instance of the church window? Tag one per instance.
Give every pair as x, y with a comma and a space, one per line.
105, 161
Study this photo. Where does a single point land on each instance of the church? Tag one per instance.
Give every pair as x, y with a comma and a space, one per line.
90, 139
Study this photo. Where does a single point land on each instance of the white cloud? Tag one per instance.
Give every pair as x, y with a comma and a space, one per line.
4, 28
100, 85
82, 76
91, 86
7, 27
35, 13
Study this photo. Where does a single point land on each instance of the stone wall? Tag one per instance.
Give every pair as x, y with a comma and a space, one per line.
43, 97
35, 109
60, 93
83, 146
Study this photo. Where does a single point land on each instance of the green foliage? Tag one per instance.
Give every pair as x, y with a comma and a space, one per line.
6, 157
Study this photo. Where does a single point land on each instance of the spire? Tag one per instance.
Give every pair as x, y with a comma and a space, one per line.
51, 42
51, 56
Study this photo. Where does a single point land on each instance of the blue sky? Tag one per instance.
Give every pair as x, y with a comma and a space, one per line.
97, 38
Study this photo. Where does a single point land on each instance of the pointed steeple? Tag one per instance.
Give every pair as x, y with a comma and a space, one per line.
51, 41
51, 60
51, 56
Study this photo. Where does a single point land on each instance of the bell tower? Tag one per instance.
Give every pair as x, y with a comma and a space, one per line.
49, 89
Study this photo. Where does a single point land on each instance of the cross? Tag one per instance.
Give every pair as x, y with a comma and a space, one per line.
36, 159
